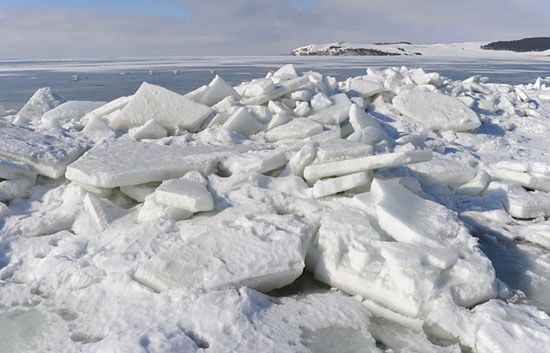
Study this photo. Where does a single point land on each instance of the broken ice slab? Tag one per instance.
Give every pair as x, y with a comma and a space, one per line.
366, 88
334, 114
125, 162
353, 255
299, 128
241, 246
254, 161
405, 156
332, 186
168, 108
530, 174
186, 194
436, 110
15, 170
443, 170
71, 111
520, 203
282, 89
46, 153
217, 90
41, 101
494, 326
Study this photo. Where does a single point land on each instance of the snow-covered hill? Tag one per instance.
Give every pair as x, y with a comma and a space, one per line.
468, 49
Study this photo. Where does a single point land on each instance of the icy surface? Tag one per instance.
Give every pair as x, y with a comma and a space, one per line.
396, 211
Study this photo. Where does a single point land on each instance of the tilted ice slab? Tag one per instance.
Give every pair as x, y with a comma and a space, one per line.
71, 111
280, 90
46, 153
405, 156
410, 219
168, 108
41, 101
241, 246
443, 170
437, 111
352, 254
217, 90
332, 186
125, 162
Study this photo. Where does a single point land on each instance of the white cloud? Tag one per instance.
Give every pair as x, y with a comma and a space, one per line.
219, 27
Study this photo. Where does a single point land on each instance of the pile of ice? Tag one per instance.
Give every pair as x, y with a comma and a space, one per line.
152, 223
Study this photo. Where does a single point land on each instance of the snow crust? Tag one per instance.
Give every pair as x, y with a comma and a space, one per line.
397, 211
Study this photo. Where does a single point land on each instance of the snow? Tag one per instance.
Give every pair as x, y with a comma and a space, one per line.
397, 211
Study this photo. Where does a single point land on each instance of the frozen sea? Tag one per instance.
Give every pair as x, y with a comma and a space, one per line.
106, 79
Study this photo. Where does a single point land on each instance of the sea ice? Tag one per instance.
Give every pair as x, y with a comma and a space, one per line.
68, 112
186, 194
437, 111
41, 101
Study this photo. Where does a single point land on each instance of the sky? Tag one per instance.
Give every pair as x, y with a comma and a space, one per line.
117, 28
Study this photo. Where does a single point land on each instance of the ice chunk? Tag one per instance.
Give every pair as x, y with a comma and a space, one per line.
14, 170
443, 170
336, 113
111, 107
475, 186
218, 89
243, 122
278, 119
410, 219
360, 119
531, 180
258, 87
139, 192
437, 111
241, 246
151, 211
41, 101
408, 155
185, 194
520, 203
351, 254
286, 72
254, 162
338, 149
102, 212
332, 186
299, 128
150, 130
302, 109
366, 88
304, 157
320, 102
123, 163
46, 153
494, 327
282, 89
98, 128
71, 111
168, 108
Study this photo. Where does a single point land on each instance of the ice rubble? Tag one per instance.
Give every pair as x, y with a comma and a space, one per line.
150, 222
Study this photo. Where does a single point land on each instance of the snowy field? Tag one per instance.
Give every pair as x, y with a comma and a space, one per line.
336, 210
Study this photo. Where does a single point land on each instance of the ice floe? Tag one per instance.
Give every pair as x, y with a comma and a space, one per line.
397, 211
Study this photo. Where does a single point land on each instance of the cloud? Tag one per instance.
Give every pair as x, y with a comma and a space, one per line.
262, 27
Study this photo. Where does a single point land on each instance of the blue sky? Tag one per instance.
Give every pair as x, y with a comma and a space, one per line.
169, 8
112, 28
